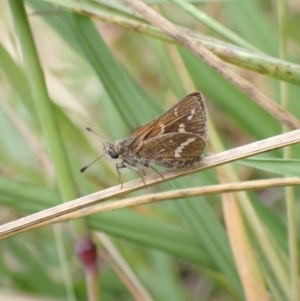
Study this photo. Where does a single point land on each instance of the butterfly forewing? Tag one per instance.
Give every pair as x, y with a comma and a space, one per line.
187, 116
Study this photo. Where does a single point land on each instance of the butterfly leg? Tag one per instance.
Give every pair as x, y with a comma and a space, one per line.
139, 175
124, 164
118, 166
160, 174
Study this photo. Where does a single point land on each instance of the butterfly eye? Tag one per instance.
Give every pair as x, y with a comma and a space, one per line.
114, 154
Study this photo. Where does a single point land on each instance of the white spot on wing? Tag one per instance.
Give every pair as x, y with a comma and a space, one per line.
180, 148
162, 129
181, 128
175, 112
190, 117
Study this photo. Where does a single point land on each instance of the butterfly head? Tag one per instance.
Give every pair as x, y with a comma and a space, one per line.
118, 149
112, 150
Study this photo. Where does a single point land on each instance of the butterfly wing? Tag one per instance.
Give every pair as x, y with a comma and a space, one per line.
173, 150
187, 116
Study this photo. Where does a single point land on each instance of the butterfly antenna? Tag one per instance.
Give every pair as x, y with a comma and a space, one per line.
90, 130
86, 167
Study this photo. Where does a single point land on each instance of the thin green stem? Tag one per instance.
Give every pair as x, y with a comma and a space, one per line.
287, 153
42, 102
212, 24
46, 115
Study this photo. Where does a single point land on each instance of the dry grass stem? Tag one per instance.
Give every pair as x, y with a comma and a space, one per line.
41, 218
